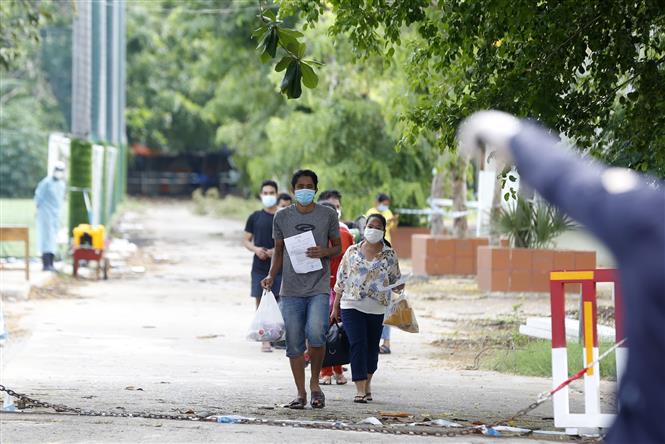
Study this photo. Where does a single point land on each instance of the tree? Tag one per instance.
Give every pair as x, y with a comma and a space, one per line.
20, 21
574, 66
29, 109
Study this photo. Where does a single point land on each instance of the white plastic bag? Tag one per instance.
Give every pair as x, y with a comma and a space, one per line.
268, 323
400, 314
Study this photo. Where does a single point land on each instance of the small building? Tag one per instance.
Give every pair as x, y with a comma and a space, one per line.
151, 173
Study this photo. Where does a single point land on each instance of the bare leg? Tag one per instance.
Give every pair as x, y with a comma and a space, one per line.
298, 370
368, 384
361, 387
316, 355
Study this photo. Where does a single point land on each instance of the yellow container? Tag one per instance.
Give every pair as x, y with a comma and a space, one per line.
90, 236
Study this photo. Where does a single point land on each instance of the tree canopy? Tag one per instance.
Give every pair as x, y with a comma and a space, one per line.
196, 83
592, 70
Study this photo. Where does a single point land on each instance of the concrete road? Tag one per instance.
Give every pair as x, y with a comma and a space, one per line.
173, 340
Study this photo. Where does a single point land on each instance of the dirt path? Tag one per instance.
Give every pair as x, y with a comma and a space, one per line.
172, 340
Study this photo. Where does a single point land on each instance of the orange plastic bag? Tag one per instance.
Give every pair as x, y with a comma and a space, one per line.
400, 314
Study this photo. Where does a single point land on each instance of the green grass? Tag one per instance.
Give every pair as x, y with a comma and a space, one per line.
21, 212
534, 358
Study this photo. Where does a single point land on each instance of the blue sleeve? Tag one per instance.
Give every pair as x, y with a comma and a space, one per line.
575, 186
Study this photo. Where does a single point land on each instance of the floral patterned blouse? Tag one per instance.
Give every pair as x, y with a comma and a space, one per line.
358, 277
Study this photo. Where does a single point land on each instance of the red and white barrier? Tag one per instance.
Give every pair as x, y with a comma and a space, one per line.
592, 419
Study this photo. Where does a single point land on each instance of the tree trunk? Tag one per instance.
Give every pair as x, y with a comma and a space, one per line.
437, 191
459, 167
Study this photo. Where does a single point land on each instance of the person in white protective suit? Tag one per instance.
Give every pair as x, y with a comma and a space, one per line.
49, 196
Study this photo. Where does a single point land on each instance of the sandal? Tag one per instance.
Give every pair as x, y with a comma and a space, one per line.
383, 350
318, 400
360, 399
326, 380
297, 404
368, 397
340, 379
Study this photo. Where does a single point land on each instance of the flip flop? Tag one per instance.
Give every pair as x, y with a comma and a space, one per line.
297, 404
318, 400
368, 397
360, 399
326, 380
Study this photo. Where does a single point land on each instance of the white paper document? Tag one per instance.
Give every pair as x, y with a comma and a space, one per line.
297, 247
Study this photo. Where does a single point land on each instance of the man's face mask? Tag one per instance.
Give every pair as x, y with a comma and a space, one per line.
305, 196
383, 207
58, 174
268, 200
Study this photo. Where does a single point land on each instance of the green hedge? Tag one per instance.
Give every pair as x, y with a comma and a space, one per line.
80, 172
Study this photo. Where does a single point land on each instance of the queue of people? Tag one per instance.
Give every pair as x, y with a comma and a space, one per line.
350, 285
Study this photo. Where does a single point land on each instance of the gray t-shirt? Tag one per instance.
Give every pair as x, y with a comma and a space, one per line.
324, 225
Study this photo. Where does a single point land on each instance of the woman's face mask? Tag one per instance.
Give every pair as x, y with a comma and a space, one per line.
58, 175
383, 207
373, 236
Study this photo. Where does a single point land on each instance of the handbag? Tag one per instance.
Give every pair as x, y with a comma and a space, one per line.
338, 350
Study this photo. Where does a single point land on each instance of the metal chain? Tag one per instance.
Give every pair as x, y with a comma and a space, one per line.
27, 402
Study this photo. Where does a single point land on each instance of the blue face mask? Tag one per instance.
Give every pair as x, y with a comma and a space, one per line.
383, 207
305, 196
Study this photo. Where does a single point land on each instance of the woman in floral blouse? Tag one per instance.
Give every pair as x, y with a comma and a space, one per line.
363, 278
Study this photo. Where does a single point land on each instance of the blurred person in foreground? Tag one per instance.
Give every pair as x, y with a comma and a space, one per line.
626, 212
49, 196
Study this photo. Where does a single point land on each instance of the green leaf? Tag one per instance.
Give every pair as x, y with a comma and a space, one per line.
512, 178
288, 76
286, 38
301, 50
259, 31
282, 64
269, 15
506, 197
271, 46
291, 33
309, 77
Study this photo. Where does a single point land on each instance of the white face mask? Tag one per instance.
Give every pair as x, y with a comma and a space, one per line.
268, 200
372, 235
58, 175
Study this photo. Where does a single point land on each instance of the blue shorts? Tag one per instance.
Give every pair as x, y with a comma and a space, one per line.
257, 290
306, 318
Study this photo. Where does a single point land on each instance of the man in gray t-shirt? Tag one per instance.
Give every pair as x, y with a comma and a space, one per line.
305, 296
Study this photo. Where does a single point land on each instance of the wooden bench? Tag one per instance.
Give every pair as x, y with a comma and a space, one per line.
18, 233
